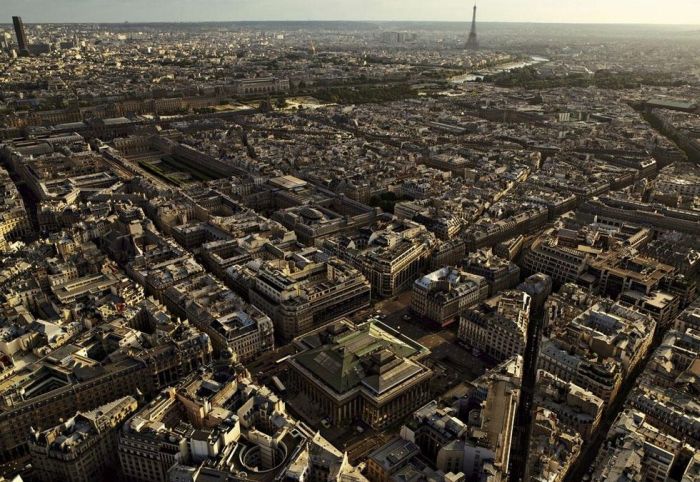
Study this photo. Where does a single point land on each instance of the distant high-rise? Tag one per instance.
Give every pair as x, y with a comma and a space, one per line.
473, 42
21, 36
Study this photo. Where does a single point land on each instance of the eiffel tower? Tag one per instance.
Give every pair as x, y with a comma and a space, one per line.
473, 42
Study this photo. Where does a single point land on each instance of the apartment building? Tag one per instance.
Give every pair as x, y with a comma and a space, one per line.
303, 292
499, 326
443, 295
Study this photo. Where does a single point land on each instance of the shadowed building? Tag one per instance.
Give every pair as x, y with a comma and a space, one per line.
304, 292
499, 326
471, 439
75, 377
21, 36
391, 253
83, 448
217, 425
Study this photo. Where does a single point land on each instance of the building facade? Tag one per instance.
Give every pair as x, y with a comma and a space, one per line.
498, 329
82, 449
304, 292
369, 372
443, 295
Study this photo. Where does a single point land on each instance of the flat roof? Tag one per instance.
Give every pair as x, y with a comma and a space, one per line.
288, 183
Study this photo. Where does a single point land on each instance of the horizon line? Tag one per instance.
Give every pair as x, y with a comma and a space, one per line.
467, 21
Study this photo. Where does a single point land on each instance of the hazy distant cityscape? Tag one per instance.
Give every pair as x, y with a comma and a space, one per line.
343, 251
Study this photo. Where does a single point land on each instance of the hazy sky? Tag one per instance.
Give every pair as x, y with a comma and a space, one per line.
576, 11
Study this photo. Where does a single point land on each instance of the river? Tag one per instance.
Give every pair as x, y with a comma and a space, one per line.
474, 76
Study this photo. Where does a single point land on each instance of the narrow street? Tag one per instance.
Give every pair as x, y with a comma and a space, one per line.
590, 449
523, 422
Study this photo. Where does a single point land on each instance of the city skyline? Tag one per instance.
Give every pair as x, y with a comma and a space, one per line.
675, 12
349, 241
